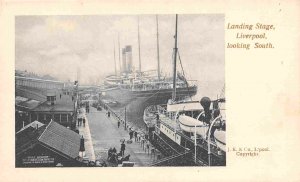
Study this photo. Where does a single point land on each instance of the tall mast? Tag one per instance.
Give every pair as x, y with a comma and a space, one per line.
174, 63
78, 74
157, 41
115, 59
140, 69
119, 54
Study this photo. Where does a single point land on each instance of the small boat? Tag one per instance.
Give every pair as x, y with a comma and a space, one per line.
192, 125
220, 139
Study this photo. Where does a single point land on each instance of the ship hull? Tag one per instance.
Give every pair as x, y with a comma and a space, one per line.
124, 97
136, 101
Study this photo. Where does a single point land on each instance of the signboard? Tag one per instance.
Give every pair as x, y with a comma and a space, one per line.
38, 160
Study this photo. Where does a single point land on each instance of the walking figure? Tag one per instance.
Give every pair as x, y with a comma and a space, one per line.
131, 134
142, 143
83, 121
148, 147
122, 148
139, 137
109, 153
135, 136
79, 121
119, 124
60, 96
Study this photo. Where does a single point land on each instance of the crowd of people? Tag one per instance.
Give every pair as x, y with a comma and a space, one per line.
117, 158
81, 119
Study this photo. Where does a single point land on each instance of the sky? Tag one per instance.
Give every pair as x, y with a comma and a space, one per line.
63, 46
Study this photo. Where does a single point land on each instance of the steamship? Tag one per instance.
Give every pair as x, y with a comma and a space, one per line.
182, 126
143, 88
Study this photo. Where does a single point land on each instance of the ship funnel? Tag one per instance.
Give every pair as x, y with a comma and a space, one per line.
205, 102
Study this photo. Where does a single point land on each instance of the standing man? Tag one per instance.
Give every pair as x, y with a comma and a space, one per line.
143, 143
119, 124
131, 134
148, 146
83, 122
135, 136
123, 148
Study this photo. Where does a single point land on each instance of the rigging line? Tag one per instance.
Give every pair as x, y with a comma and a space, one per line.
187, 85
222, 93
153, 94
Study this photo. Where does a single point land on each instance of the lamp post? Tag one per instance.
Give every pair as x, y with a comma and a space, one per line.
73, 126
195, 144
208, 143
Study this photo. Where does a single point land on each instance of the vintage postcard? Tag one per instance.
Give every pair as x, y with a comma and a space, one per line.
208, 92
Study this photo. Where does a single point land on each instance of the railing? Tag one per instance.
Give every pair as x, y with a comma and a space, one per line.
202, 142
187, 156
157, 85
118, 117
170, 159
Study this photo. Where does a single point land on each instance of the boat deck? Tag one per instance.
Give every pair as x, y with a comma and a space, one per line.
201, 142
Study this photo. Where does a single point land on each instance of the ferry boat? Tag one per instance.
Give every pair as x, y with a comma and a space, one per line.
195, 129
195, 126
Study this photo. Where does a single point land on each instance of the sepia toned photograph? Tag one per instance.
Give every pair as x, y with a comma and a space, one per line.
120, 90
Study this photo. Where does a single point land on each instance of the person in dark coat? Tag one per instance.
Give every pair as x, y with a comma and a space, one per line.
135, 136
123, 148
114, 150
114, 158
109, 152
119, 124
148, 147
146, 136
131, 134
83, 120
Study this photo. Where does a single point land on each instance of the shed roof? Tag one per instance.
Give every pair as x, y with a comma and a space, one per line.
62, 139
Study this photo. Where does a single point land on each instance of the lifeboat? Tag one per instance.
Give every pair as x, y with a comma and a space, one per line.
188, 124
220, 139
